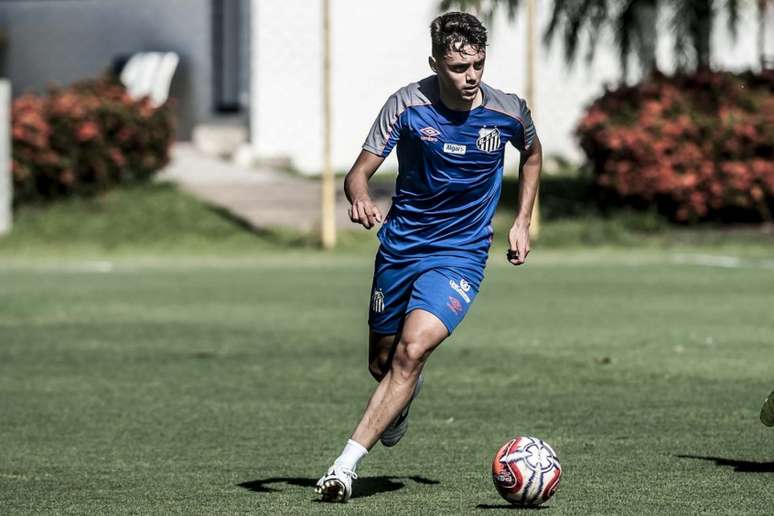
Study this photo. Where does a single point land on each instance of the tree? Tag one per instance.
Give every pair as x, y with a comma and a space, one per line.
635, 25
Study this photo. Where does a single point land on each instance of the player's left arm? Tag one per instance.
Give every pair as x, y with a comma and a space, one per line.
529, 177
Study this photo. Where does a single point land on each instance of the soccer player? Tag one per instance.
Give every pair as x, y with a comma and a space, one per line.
450, 130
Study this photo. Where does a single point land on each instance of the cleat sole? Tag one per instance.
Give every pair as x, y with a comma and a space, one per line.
331, 491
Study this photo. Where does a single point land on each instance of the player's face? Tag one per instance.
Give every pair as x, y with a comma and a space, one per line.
460, 71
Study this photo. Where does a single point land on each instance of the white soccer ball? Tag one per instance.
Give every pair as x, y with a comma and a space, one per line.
526, 471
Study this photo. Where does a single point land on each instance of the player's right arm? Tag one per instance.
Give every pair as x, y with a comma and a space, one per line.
363, 210
383, 136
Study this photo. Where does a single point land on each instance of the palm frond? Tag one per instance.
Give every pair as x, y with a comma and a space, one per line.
633, 23
576, 20
732, 6
599, 16
625, 26
556, 18
485, 9
462, 5
679, 26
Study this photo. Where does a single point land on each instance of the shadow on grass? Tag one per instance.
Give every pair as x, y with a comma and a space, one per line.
511, 507
741, 466
277, 236
365, 486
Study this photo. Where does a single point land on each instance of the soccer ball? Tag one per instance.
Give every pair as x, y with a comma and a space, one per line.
526, 471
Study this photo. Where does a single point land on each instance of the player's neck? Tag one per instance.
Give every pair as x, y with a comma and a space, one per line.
451, 101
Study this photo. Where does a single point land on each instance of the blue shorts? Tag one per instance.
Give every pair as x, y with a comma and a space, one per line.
405, 285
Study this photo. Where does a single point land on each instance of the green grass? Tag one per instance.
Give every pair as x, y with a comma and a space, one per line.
148, 219
156, 357
228, 388
156, 220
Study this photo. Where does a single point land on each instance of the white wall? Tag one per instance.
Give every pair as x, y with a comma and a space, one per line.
56, 42
380, 46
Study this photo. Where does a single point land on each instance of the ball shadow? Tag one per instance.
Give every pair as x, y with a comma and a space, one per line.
740, 466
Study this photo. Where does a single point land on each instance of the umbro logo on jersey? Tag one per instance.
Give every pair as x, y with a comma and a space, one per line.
488, 139
429, 134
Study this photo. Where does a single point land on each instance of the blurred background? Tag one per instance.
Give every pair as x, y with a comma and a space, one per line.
179, 278
651, 113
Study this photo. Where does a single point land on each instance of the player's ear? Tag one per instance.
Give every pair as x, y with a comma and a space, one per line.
433, 64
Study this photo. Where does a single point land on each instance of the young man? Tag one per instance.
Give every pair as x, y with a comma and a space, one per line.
450, 130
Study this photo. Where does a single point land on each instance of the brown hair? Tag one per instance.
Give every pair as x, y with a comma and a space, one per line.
454, 30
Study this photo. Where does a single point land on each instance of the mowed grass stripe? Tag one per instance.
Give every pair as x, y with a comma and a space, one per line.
161, 391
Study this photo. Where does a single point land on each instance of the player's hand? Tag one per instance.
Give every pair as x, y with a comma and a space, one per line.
518, 241
363, 211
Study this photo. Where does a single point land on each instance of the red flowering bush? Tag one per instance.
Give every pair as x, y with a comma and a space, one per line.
84, 139
698, 146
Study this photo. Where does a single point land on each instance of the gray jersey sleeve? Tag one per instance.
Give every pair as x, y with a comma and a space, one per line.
529, 128
516, 108
385, 131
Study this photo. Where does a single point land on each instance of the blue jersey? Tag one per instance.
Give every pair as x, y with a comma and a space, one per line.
450, 170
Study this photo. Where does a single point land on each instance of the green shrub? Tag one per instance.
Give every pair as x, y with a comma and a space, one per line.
84, 139
697, 146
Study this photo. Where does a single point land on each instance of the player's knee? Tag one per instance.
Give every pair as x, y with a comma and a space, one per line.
410, 355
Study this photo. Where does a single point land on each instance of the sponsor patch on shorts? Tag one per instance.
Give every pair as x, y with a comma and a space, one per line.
461, 288
455, 305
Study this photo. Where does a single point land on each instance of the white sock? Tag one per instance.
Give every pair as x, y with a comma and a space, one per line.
351, 455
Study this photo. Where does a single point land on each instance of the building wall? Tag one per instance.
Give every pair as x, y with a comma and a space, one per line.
61, 41
380, 46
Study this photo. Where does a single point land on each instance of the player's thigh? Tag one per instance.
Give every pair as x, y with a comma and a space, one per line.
422, 333
390, 294
444, 293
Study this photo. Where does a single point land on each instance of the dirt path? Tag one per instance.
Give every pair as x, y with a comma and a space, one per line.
262, 197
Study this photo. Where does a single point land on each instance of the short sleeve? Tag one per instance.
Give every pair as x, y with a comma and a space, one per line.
385, 131
523, 140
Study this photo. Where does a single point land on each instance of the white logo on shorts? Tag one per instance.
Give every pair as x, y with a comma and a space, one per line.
464, 284
377, 301
461, 290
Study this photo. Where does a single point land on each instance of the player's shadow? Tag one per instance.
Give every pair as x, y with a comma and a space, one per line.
741, 466
365, 486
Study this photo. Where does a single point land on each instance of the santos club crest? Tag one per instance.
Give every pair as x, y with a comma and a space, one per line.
488, 139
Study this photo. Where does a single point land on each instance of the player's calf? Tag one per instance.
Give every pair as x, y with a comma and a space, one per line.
379, 351
378, 367
399, 426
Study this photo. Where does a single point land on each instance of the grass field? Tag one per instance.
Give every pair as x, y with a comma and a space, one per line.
228, 387
157, 358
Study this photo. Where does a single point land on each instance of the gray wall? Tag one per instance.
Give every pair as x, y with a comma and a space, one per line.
61, 41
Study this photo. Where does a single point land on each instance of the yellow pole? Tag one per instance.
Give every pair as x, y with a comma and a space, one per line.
328, 188
762, 12
534, 229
